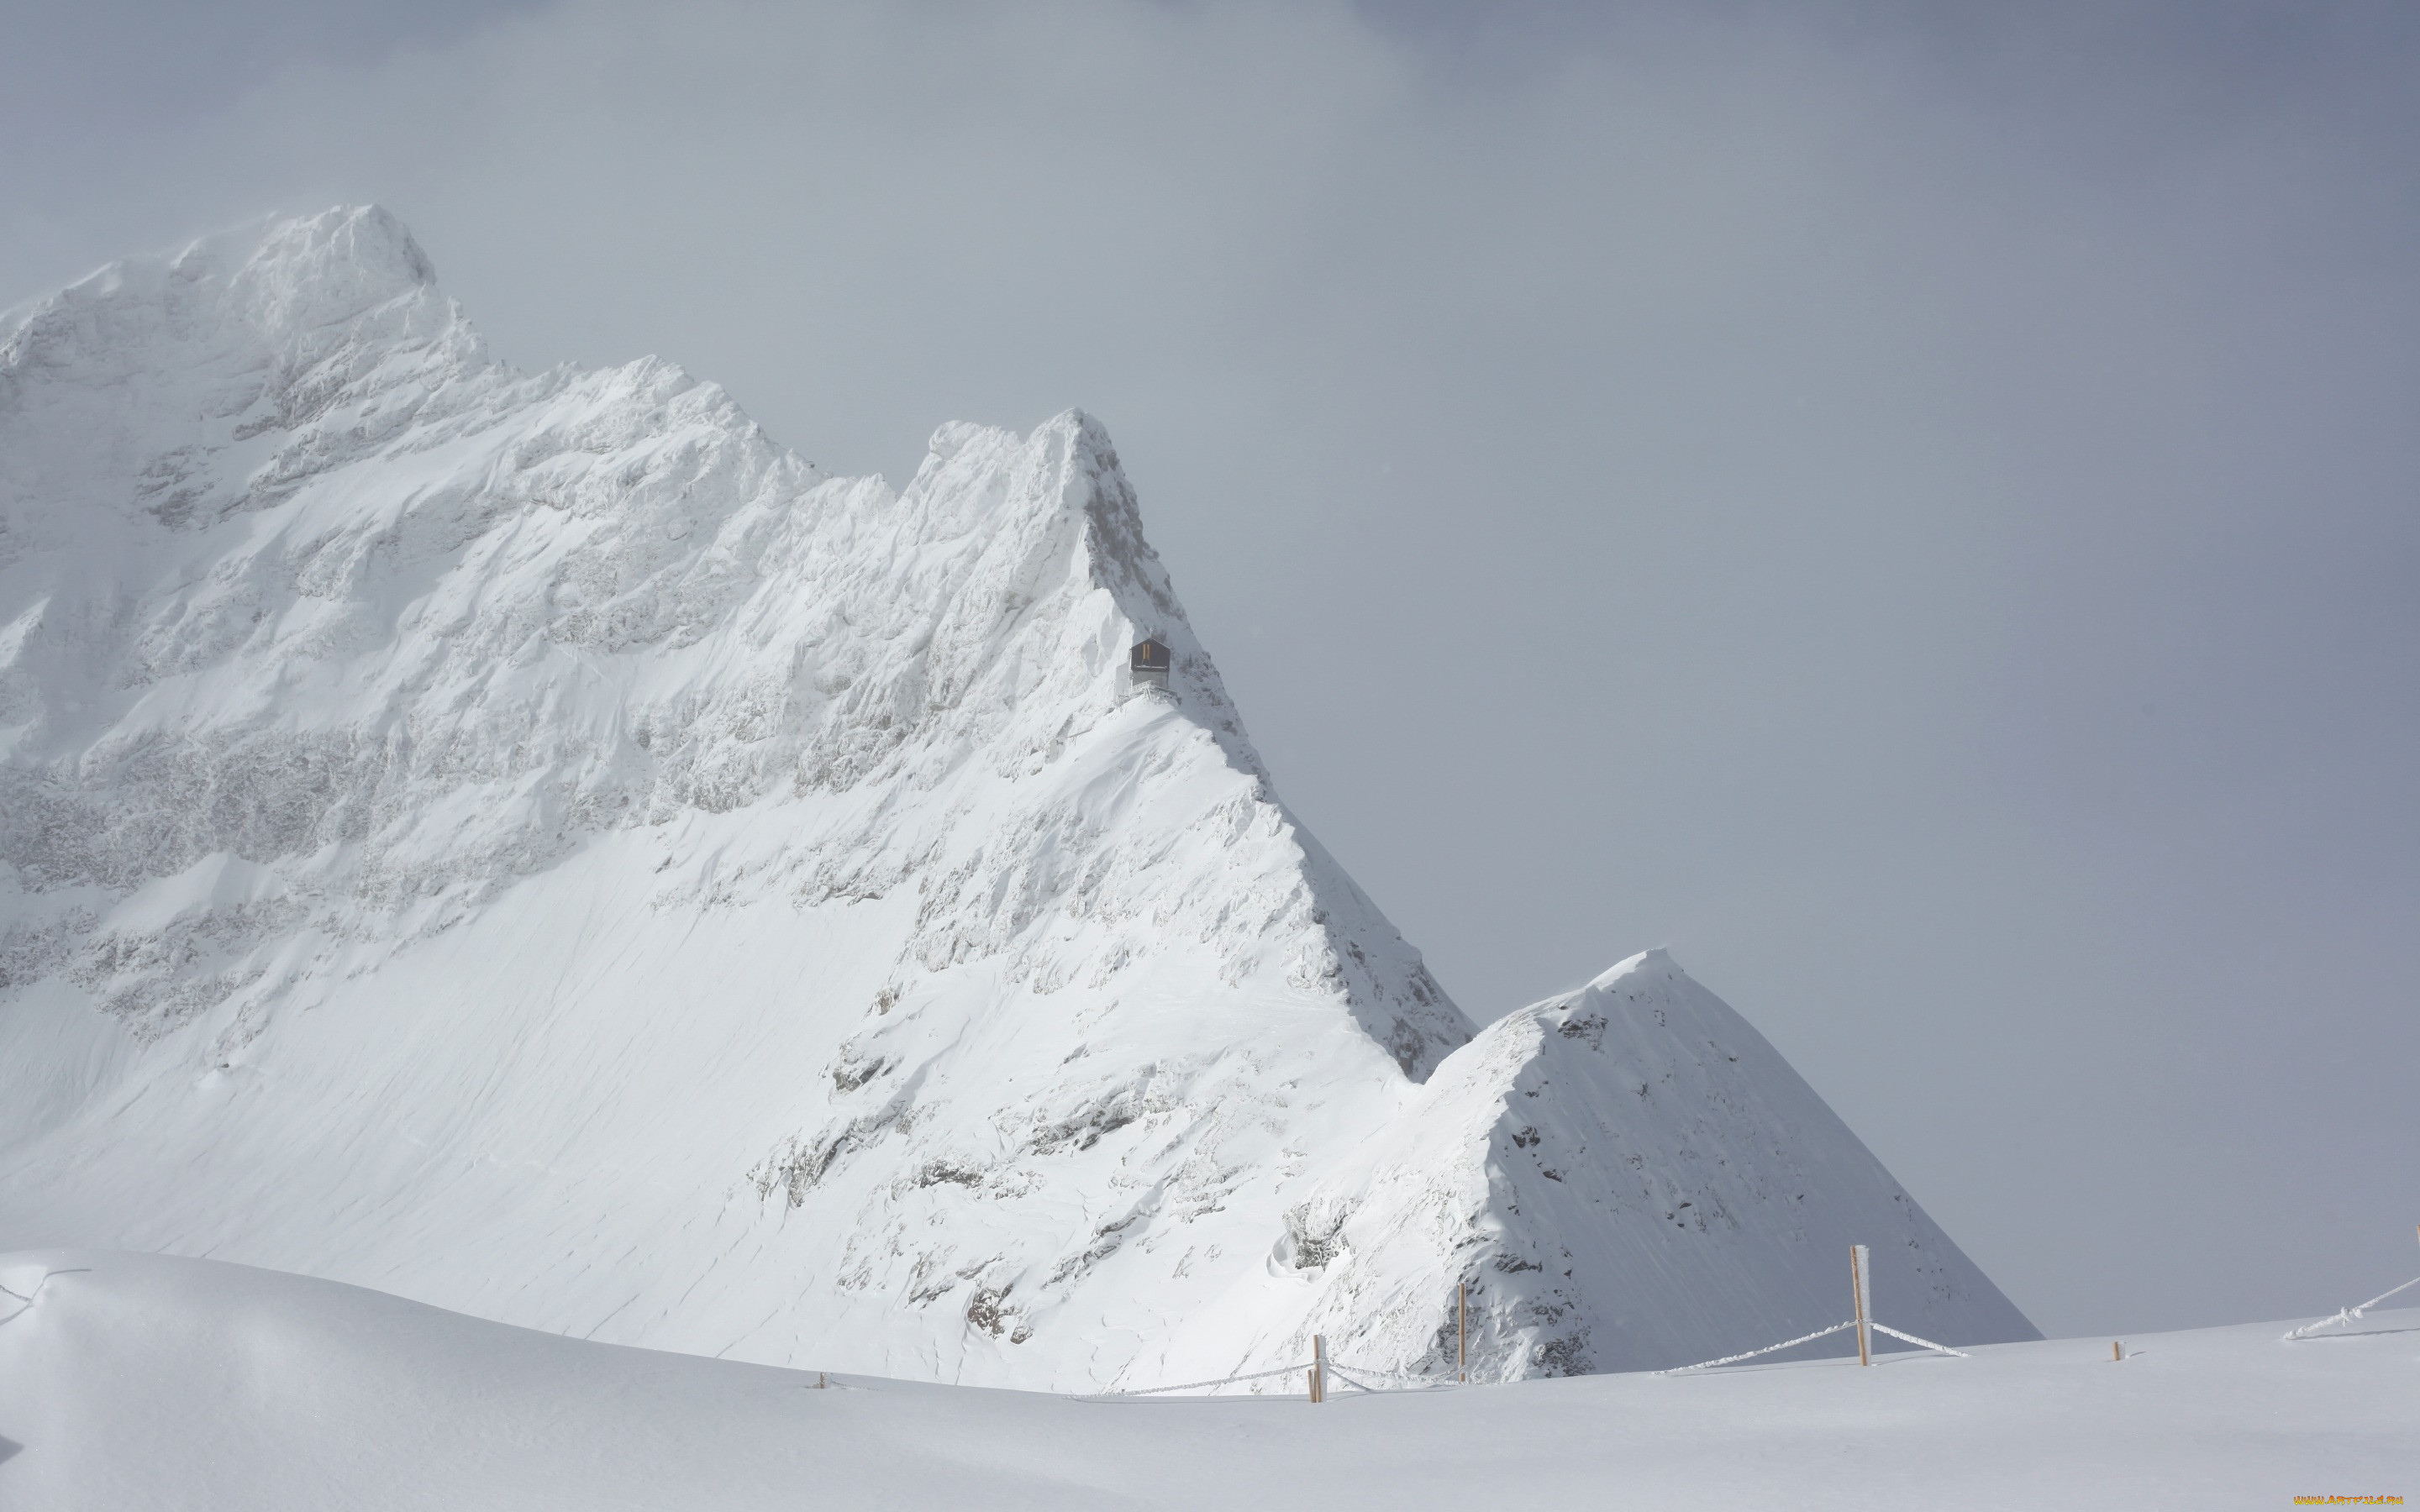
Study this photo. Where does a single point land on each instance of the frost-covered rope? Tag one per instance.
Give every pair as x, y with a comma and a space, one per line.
2347, 1314
1390, 1375
1885, 1328
1356, 1385
1734, 1359
1193, 1385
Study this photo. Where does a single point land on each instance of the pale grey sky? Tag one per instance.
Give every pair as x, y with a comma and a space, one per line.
1910, 506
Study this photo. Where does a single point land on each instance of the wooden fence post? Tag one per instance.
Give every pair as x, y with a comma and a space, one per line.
1462, 1330
1861, 1292
1318, 1368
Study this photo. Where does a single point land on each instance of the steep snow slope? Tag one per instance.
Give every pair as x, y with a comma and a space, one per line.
531, 844
133, 1382
1642, 1182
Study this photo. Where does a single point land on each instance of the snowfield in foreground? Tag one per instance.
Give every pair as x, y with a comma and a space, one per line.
131, 1382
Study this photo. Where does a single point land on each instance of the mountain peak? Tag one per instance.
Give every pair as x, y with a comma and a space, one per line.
280, 274
367, 238
732, 908
323, 268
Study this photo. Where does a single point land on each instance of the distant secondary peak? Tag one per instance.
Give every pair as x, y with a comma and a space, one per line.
1657, 962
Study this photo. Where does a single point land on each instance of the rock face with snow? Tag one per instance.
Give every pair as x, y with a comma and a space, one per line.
532, 844
1637, 1179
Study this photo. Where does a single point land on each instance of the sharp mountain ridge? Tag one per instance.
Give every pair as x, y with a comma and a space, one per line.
532, 844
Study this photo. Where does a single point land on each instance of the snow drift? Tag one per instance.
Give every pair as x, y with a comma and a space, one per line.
531, 844
133, 1381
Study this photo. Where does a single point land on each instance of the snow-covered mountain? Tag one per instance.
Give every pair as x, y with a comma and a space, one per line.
531, 844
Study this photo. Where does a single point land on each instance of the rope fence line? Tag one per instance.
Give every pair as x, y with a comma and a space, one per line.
1336, 1370
1423, 1382
2347, 1315
1734, 1359
1343, 1373
1320, 1367
1350, 1374
1885, 1328
1809, 1338
1195, 1385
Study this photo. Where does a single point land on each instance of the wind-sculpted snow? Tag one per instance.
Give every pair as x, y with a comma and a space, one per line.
532, 843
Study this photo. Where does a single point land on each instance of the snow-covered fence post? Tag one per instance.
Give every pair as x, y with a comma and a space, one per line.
1861, 1292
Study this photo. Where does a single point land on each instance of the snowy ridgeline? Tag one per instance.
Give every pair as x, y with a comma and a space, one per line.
531, 844
132, 1383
